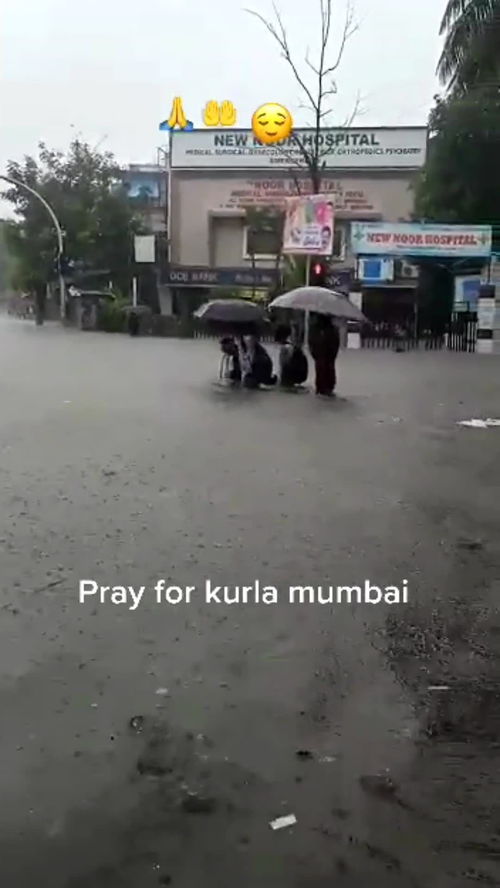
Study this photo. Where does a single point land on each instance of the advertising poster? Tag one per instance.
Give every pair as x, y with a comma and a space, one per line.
309, 224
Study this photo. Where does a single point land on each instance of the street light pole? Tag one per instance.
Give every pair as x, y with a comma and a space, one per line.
60, 243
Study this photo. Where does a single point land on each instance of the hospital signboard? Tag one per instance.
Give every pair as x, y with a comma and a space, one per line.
382, 147
414, 239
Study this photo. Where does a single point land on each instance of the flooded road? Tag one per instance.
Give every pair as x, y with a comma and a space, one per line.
155, 746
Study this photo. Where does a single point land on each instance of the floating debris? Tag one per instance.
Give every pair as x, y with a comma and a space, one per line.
283, 822
480, 423
438, 688
162, 692
137, 723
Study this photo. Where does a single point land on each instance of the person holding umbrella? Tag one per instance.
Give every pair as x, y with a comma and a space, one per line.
324, 338
324, 344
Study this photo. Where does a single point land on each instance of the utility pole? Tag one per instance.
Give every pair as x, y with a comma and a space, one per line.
60, 242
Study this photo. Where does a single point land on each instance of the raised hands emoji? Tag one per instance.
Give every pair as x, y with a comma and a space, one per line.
227, 114
211, 116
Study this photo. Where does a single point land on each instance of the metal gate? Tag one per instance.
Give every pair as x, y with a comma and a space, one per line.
386, 335
462, 332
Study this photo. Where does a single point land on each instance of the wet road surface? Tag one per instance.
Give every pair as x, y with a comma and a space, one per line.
121, 463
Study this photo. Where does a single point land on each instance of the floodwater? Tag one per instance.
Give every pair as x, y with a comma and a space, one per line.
154, 746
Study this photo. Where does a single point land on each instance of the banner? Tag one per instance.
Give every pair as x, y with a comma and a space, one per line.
383, 147
409, 239
308, 226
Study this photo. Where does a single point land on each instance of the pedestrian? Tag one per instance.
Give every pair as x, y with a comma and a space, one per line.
292, 360
230, 367
324, 344
133, 323
256, 364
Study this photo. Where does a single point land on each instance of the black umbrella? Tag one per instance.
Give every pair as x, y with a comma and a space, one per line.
230, 311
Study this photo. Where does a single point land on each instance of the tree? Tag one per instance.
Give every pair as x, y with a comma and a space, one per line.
84, 189
264, 234
6, 263
323, 86
461, 182
471, 52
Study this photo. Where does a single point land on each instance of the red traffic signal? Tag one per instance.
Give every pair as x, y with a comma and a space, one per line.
319, 272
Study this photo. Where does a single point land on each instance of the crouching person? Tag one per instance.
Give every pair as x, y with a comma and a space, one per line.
292, 360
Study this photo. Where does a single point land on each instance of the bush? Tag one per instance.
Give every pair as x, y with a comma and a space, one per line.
111, 318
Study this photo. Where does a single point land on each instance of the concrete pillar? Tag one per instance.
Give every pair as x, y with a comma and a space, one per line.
485, 319
354, 339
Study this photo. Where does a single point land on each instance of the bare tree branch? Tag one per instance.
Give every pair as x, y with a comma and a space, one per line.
282, 41
357, 110
308, 62
296, 181
350, 28
324, 87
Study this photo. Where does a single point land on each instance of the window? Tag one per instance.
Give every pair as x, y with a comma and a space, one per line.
261, 243
263, 233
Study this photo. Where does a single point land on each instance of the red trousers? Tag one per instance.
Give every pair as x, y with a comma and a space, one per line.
326, 378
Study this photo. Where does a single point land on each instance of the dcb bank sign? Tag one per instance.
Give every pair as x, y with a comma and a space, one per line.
383, 147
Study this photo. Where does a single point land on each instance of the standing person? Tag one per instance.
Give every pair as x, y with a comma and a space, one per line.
324, 344
133, 323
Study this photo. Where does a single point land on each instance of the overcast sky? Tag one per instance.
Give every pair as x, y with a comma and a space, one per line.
108, 69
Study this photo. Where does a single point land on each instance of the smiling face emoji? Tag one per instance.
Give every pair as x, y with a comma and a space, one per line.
271, 123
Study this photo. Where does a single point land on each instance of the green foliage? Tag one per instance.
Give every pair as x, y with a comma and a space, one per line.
264, 230
471, 53
83, 188
112, 317
7, 265
294, 272
461, 181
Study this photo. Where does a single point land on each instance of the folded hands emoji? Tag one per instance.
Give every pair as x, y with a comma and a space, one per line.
177, 117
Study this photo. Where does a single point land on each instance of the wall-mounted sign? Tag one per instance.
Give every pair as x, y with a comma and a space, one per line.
177, 118
409, 239
308, 226
402, 148
219, 115
144, 248
199, 276
349, 201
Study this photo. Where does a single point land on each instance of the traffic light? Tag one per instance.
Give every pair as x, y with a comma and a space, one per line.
318, 273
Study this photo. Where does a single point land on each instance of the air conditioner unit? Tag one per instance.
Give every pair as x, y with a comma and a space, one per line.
408, 270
